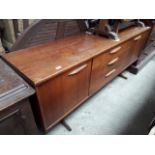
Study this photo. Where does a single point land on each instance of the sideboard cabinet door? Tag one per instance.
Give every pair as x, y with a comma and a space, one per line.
138, 45
60, 95
75, 86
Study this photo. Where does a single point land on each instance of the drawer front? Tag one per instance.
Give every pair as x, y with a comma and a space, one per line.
59, 96
112, 54
108, 65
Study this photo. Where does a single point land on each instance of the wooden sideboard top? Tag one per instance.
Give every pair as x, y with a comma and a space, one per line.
45, 61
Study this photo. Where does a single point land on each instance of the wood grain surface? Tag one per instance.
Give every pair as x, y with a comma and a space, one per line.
43, 62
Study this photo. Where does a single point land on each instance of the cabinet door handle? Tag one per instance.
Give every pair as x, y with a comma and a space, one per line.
77, 70
137, 38
113, 61
110, 73
115, 50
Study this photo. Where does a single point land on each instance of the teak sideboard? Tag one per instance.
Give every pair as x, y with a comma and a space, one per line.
66, 72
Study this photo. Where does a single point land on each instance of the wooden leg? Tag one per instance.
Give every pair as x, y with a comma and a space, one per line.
122, 76
64, 123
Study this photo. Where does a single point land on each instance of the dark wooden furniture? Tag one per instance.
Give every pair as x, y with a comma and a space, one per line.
15, 111
66, 72
45, 30
111, 27
22, 33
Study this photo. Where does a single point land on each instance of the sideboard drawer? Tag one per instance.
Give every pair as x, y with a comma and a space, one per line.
62, 94
107, 65
111, 54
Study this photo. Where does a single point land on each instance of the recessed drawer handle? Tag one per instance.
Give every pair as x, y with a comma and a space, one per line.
115, 50
113, 61
110, 73
77, 70
137, 38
